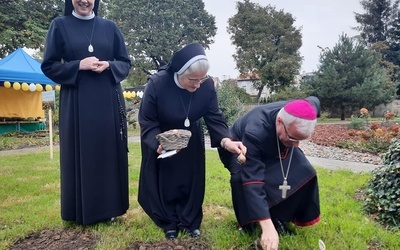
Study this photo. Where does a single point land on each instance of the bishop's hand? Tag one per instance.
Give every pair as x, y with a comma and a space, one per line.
269, 236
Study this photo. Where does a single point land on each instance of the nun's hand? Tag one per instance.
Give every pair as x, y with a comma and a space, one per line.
89, 63
160, 149
101, 66
235, 147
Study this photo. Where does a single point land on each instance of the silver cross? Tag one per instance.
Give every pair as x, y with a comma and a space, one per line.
284, 187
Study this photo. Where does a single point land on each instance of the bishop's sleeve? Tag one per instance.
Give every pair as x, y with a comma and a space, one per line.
253, 179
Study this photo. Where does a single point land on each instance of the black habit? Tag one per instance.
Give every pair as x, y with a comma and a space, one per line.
93, 142
255, 184
171, 190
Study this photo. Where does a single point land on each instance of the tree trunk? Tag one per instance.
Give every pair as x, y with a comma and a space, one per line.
342, 118
260, 89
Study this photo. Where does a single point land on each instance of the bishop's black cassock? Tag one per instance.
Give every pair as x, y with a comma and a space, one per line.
255, 184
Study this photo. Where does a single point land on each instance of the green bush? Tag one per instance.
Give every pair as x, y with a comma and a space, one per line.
229, 101
324, 116
356, 123
375, 145
383, 189
287, 93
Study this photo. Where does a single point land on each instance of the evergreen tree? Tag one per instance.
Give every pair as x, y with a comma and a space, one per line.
380, 30
393, 53
267, 45
375, 22
350, 75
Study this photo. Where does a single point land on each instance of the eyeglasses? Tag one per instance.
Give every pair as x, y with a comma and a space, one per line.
198, 80
287, 135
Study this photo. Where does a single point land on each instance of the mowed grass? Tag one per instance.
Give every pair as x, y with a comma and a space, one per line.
30, 202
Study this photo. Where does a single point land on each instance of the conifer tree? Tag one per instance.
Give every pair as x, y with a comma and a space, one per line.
350, 75
380, 30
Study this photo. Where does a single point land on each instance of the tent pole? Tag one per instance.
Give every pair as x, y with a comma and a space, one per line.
51, 132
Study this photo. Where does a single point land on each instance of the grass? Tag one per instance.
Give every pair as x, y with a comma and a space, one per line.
17, 140
30, 202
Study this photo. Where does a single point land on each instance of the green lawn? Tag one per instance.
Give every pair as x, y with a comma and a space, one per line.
29, 202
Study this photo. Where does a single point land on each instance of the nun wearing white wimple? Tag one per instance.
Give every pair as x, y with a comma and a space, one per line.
171, 190
86, 54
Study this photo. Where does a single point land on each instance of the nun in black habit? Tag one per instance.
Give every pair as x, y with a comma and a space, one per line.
171, 190
86, 54
277, 184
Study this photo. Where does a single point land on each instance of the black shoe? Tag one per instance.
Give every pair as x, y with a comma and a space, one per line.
195, 233
282, 227
171, 234
112, 219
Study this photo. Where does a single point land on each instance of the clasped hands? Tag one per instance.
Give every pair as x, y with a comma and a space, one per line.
94, 64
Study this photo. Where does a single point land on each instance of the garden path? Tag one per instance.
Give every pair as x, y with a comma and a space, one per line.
315, 161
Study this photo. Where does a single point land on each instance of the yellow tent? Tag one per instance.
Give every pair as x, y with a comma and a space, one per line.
21, 80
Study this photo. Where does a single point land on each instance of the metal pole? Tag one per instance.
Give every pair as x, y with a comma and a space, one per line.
51, 132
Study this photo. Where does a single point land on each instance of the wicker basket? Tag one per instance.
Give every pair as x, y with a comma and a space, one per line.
174, 139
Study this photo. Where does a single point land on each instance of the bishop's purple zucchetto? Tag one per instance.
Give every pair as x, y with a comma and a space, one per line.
301, 109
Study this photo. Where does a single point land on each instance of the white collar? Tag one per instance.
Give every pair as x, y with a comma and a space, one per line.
91, 16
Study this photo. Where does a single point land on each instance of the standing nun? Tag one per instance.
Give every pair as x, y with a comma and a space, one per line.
86, 54
171, 190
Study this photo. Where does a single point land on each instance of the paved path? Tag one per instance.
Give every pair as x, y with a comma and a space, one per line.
315, 161
337, 164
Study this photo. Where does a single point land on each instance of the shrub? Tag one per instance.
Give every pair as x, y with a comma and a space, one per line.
229, 101
287, 93
383, 189
374, 125
389, 115
356, 123
374, 139
324, 115
375, 145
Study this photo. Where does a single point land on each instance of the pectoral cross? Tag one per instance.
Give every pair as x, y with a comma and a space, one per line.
284, 187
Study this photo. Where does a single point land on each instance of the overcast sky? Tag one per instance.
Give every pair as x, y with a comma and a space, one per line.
322, 22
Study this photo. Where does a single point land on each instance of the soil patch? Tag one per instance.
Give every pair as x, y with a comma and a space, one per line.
178, 244
74, 239
58, 239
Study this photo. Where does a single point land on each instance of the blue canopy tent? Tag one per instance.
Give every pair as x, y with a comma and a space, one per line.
21, 85
21, 67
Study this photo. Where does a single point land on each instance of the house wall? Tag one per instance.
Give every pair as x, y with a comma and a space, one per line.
247, 85
380, 110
